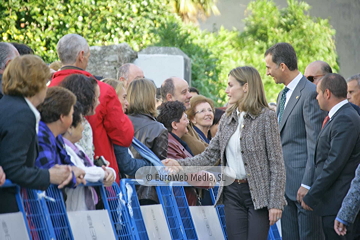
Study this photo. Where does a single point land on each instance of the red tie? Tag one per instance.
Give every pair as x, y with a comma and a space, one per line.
326, 119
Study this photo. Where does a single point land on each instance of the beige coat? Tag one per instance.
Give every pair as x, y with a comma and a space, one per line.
261, 153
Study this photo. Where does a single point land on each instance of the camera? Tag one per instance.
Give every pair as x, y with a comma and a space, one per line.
100, 161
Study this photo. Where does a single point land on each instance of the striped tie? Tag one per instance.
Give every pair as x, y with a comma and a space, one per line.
282, 103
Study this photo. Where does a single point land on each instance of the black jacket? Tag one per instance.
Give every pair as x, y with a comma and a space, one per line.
151, 133
18, 150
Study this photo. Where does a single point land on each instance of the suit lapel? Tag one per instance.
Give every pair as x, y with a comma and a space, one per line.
295, 96
327, 125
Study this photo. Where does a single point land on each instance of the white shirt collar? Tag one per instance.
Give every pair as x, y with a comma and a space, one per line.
335, 108
292, 85
36, 113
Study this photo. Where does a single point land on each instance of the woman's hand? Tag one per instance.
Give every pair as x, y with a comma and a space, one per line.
109, 177
274, 215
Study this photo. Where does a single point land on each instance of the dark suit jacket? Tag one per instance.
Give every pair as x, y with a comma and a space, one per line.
299, 127
356, 107
18, 149
337, 155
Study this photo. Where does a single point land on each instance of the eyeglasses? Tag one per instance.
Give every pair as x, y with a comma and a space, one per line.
312, 78
204, 111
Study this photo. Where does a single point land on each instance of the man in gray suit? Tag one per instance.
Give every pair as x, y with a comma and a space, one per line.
300, 119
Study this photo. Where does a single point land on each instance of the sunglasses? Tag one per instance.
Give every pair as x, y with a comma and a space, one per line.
312, 78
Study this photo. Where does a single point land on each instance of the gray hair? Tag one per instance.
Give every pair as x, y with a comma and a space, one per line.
124, 71
353, 78
69, 46
7, 52
167, 87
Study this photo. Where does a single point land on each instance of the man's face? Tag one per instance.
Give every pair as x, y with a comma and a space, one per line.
273, 70
181, 92
354, 92
313, 73
320, 98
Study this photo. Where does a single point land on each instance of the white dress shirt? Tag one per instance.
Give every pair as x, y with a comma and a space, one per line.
36, 113
291, 86
233, 152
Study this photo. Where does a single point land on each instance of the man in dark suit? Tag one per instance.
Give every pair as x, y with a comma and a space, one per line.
300, 121
337, 154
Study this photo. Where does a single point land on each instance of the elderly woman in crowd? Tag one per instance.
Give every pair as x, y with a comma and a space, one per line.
56, 117
24, 87
173, 116
120, 91
83, 198
201, 116
248, 142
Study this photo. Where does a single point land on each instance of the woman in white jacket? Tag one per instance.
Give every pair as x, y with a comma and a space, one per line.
83, 198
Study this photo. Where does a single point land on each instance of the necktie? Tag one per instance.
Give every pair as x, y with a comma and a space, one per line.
282, 103
326, 119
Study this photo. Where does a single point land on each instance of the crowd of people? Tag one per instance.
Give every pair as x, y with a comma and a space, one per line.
296, 160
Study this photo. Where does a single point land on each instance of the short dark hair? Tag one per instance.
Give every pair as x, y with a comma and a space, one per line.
193, 89
77, 115
170, 112
335, 83
217, 115
167, 87
283, 53
84, 89
23, 49
58, 101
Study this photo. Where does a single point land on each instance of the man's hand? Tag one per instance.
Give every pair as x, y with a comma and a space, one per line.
274, 215
60, 175
301, 194
109, 177
2, 176
172, 165
79, 175
340, 228
306, 207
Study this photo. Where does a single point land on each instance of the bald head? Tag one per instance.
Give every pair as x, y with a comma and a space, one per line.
7, 53
175, 88
316, 70
128, 72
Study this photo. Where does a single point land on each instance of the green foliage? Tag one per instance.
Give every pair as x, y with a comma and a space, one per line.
266, 24
141, 23
215, 54
41, 23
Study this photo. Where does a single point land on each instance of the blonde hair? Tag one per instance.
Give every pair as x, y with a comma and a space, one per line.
55, 65
116, 84
25, 76
196, 100
254, 101
141, 95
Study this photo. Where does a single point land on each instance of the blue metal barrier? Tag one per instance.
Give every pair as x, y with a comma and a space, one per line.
124, 226
167, 200
219, 209
58, 214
